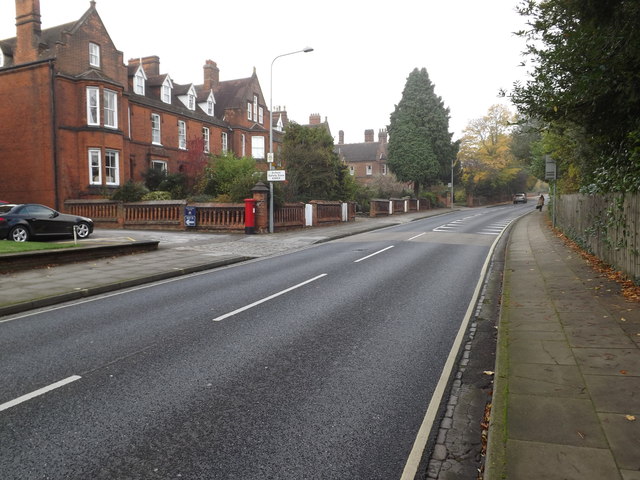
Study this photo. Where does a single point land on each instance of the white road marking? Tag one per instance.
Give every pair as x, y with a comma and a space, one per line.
40, 391
266, 299
413, 461
374, 253
416, 236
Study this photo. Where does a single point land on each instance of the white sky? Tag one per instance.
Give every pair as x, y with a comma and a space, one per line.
363, 51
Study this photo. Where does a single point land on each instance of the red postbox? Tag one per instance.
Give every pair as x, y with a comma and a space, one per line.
249, 216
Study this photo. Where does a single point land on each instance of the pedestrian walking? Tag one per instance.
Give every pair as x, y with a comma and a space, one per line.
540, 202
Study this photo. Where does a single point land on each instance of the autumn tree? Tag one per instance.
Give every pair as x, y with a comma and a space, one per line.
489, 167
420, 148
584, 87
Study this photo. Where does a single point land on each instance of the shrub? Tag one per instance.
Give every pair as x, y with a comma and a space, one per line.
130, 192
159, 195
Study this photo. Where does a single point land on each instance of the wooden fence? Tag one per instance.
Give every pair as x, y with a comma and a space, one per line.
606, 225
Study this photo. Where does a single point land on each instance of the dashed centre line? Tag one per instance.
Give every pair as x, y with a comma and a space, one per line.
40, 391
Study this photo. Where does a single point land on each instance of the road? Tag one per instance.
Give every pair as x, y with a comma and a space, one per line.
316, 364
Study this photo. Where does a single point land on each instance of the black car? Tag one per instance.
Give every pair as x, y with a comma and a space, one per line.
23, 222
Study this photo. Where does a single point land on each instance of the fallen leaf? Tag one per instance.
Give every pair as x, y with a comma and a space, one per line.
581, 434
623, 319
488, 372
631, 418
623, 372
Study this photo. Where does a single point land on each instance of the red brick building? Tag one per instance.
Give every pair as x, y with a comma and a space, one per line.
76, 122
365, 160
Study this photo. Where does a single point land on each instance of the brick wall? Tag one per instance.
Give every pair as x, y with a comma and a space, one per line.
26, 135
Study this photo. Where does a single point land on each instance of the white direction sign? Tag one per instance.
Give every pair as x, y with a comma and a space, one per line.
276, 175
550, 168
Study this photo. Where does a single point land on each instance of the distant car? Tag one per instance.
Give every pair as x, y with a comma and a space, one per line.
520, 198
23, 222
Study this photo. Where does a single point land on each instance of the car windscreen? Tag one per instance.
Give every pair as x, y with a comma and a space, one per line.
6, 208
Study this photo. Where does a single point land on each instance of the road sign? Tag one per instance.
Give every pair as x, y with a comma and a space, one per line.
549, 168
270, 157
276, 175
190, 216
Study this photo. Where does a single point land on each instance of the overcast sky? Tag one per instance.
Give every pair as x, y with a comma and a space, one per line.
363, 51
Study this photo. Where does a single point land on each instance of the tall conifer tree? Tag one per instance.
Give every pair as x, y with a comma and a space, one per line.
420, 148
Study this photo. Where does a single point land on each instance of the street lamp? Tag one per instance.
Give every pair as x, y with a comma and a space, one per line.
270, 157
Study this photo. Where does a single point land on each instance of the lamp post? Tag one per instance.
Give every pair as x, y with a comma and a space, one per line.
270, 158
452, 162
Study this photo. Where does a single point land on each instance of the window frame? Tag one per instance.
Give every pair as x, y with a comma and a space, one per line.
206, 137
110, 114
94, 55
182, 135
95, 167
256, 148
249, 111
225, 142
166, 91
255, 108
112, 164
369, 170
158, 129
93, 110
162, 163
139, 84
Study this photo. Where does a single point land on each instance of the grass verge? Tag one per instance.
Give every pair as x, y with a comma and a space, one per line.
7, 246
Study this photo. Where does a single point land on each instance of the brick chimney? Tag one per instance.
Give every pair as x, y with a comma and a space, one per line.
341, 137
314, 119
28, 30
151, 65
211, 75
382, 135
368, 136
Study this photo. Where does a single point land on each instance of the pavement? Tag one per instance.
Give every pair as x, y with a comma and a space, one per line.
566, 400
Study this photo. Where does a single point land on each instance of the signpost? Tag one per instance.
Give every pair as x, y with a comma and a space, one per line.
551, 173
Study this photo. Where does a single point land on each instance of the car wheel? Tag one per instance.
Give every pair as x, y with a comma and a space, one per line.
82, 230
19, 234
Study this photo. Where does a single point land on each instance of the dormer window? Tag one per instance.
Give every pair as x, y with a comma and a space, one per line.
209, 106
94, 55
139, 80
189, 98
167, 86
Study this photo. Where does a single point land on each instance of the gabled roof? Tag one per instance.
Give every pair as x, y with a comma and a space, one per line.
358, 152
158, 80
50, 36
236, 93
